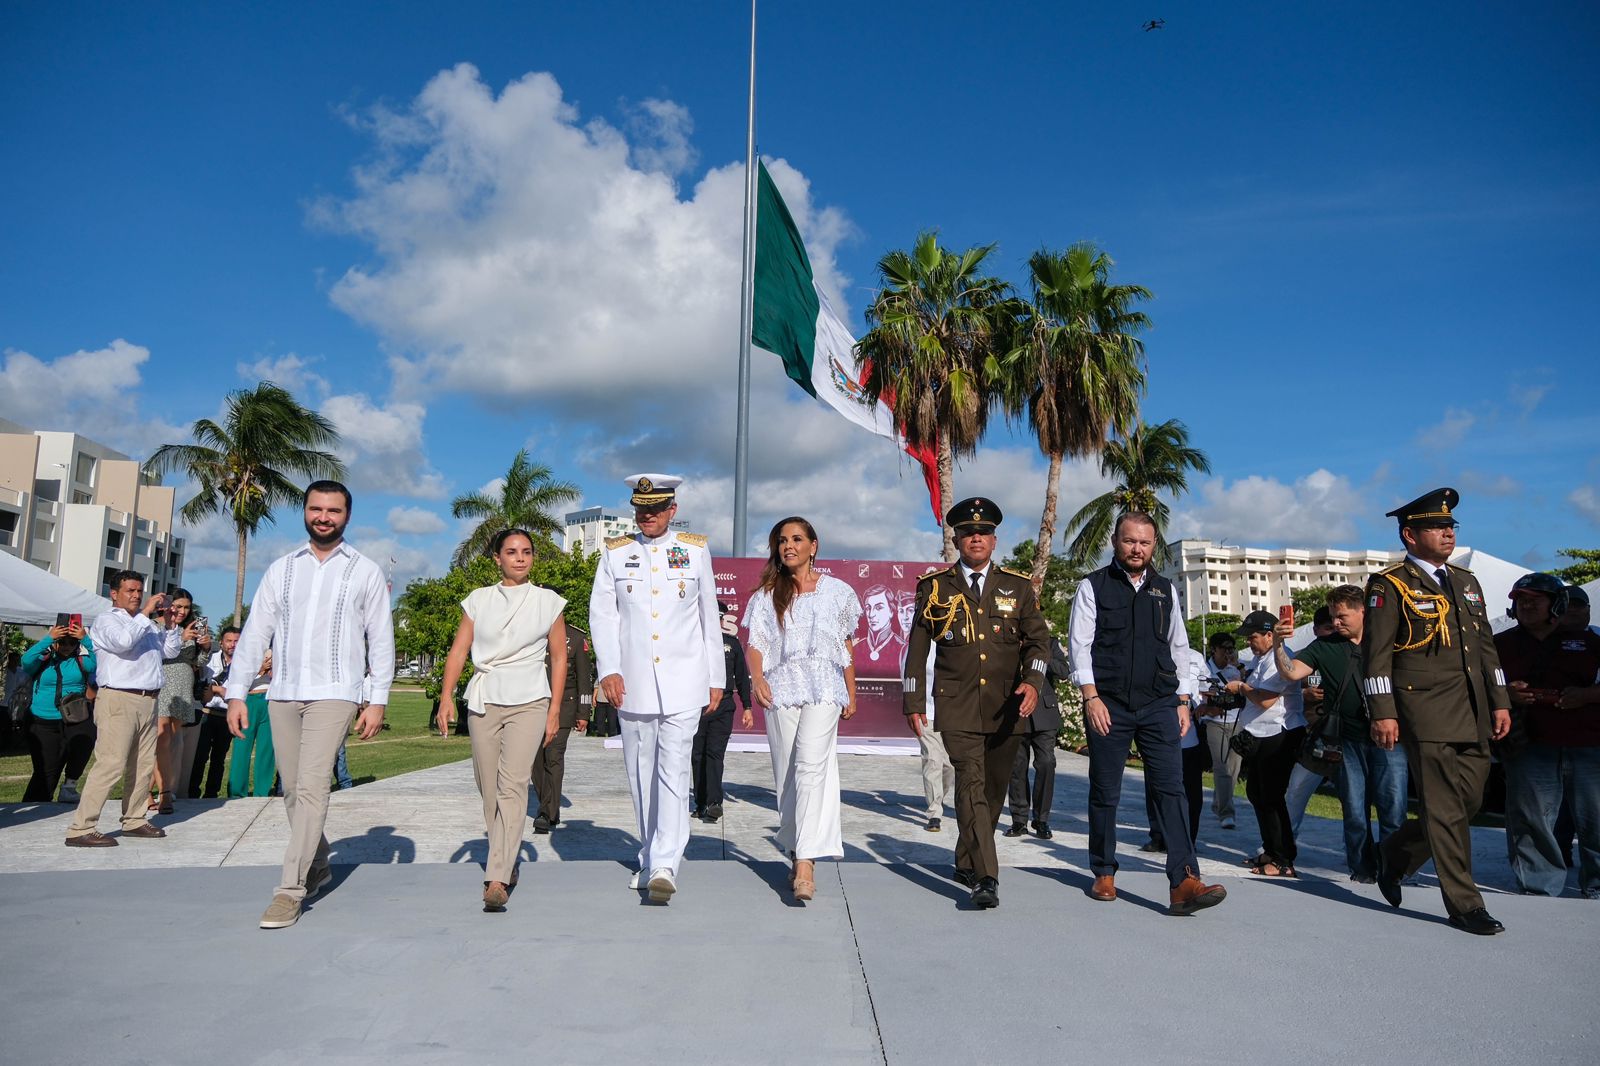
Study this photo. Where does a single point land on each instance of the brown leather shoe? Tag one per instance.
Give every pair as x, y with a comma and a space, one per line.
1193, 894
91, 840
1105, 888
147, 831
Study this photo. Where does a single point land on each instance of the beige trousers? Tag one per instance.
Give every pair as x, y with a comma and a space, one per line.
124, 747
305, 741
504, 742
938, 776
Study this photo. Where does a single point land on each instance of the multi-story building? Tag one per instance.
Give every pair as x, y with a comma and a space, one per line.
1229, 579
83, 511
588, 529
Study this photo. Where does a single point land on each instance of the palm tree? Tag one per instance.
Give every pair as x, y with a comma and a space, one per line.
243, 467
1078, 368
1148, 461
525, 501
937, 326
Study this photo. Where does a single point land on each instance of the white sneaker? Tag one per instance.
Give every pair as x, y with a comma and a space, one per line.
662, 886
636, 882
69, 792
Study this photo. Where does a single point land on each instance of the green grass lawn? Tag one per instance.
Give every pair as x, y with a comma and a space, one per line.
407, 744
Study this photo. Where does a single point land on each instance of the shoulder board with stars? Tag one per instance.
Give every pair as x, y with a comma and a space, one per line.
613, 543
697, 539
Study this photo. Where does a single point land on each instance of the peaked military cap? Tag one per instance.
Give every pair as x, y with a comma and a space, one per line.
977, 511
1431, 510
651, 490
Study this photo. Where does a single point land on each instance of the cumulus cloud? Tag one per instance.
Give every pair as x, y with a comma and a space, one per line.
1586, 501
382, 446
94, 393
1319, 509
660, 131
416, 521
291, 371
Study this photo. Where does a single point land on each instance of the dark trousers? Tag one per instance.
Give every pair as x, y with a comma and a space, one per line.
54, 746
1154, 727
1042, 747
605, 719
211, 755
1267, 789
549, 768
1194, 768
707, 756
1449, 780
983, 763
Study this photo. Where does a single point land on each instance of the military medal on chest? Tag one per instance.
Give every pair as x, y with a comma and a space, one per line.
682, 591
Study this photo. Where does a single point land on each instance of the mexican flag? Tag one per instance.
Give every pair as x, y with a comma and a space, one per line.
794, 321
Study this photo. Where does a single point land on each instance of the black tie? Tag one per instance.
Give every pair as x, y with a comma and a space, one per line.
977, 586
1443, 578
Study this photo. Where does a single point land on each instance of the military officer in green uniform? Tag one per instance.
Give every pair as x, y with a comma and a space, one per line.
1434, 685
577, 707
991, 651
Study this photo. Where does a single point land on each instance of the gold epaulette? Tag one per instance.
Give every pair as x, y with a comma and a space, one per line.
1391, 568
697, 539
935, 573
613, 543
1014, 573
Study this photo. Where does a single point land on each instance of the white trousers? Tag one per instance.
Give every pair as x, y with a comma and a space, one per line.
805, 769
655, 750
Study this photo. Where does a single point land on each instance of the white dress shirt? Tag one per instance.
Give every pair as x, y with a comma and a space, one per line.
128, 649
653, 620
328, 625
510, 641
1284, 713
1080, 636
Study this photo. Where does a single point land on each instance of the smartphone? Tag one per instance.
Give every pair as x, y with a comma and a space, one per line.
1286, 613
63, 619
75, 620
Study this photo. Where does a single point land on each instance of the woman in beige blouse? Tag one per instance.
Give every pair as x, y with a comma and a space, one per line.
508, 628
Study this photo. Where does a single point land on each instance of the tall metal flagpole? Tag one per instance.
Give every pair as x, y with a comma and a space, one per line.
741, 453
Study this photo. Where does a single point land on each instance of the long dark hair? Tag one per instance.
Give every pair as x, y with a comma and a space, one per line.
775, 577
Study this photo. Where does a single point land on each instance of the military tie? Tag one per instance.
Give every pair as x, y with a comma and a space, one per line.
1443, 578
977, 586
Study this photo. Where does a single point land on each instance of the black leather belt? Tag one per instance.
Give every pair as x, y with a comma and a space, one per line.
134, 691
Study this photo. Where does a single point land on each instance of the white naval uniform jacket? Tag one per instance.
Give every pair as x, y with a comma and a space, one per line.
653, 619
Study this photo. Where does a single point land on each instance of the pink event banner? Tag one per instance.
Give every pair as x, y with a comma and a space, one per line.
887, 591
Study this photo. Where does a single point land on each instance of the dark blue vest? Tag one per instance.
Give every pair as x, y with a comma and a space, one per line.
1133, 664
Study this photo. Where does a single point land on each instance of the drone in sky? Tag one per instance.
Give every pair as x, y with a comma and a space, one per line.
1155, 24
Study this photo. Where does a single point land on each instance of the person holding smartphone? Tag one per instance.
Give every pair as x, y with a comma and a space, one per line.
175, 704
61, 666
1271, 727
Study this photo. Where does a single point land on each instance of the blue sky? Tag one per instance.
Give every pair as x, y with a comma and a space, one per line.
1371, 234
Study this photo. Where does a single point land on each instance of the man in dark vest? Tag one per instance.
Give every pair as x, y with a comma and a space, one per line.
1127, 640
991, 650
577, 707
1434, 686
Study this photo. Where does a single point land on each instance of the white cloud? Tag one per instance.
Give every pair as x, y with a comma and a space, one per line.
1449, 432
415, 520
401, 563
1321, 508
94, 393
660, 130
382, 446
291, 371
1586, 501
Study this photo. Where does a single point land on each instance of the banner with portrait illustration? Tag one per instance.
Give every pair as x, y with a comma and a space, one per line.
888, 592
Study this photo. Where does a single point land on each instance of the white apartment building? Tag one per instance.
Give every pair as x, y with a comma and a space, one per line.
83, 511
588, 529
1229, 579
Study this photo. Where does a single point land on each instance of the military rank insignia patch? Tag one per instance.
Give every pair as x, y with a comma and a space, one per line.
677, 557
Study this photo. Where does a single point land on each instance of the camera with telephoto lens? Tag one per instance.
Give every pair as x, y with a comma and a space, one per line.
1223, 700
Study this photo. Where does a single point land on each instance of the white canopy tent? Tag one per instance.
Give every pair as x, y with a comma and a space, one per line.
33, 597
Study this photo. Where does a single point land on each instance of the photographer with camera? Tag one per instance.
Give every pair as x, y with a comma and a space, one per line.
1552, 754
1271, 729
59, 726
1219, 714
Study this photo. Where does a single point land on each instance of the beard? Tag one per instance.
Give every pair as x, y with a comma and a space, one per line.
331, 539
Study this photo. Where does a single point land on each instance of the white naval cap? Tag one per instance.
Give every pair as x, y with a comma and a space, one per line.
652, 489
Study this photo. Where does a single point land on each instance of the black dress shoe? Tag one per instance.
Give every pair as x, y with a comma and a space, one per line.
932, 826
1017, 830
966, 877
1154, 847
713, 812
541, 824
1388, 881
1043, 830
1478, 922
986, 893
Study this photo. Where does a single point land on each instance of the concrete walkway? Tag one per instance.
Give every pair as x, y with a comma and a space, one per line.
397, 960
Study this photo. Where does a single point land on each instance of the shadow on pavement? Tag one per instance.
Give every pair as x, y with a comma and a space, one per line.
380, 844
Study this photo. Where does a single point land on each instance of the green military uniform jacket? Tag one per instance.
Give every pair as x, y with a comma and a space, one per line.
1430, 659
577, 700
984, 650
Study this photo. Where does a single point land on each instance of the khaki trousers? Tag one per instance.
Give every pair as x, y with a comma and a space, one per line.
938, 776
504, 742
983, 763
124, 747
305, 741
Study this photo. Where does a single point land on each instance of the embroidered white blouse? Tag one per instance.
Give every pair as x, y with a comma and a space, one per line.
510, 636
804, 661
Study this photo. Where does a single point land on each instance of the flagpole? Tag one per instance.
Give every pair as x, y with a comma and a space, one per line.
741, 452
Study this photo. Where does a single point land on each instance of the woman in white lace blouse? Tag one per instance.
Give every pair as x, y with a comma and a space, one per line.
802, 624
509, 629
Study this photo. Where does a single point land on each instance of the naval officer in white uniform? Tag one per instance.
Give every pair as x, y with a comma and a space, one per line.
658, 653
